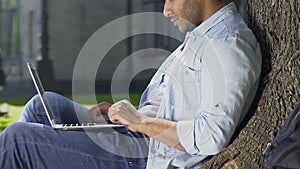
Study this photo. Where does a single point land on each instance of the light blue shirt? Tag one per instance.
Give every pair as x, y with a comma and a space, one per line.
206, 86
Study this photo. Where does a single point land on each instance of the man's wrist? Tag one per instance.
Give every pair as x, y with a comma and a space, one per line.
144, 123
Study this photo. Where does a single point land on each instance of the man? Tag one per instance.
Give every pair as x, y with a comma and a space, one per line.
189, 110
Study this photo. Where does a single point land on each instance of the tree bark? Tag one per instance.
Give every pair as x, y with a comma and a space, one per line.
276, 26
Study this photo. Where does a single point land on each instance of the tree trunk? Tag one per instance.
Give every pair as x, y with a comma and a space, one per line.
276, 26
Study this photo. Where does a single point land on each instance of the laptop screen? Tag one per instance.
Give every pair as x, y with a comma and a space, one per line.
40, 89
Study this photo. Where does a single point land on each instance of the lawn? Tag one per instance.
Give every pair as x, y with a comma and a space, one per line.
14, 114
16, 106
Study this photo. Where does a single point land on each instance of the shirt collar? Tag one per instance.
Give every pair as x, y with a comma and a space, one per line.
215, 18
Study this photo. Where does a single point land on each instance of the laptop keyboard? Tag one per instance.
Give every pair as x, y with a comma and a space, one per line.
78, 124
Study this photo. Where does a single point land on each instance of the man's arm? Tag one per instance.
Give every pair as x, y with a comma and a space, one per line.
163, 130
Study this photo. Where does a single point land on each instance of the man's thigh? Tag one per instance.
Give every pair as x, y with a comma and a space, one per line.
32, 145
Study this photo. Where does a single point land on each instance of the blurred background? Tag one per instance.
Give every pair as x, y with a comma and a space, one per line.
50, 34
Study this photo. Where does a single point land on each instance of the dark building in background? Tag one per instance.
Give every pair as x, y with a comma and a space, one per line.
2, 75
51, 33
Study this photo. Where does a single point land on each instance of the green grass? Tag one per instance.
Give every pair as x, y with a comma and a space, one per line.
14, 114
16, 106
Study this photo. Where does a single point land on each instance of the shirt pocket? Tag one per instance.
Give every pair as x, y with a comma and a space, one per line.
186, 87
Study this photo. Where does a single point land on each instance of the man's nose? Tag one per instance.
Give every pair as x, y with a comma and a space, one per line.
167, 9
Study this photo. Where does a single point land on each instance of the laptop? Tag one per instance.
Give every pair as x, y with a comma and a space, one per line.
80, 126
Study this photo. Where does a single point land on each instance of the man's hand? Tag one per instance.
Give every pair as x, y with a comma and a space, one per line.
99, 112
123, 112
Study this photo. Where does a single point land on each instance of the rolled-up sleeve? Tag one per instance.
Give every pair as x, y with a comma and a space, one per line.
204, 135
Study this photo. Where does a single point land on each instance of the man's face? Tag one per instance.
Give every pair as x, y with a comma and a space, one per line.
183, 13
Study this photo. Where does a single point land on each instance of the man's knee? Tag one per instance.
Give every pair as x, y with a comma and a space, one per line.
22, 132
35, 106
49, 95
52, 95
17, 130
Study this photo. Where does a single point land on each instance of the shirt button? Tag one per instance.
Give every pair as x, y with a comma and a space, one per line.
153, 151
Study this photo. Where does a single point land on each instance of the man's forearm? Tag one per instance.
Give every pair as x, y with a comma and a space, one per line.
161, 130
123, 112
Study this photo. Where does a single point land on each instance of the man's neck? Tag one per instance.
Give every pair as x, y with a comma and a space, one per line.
210, 7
